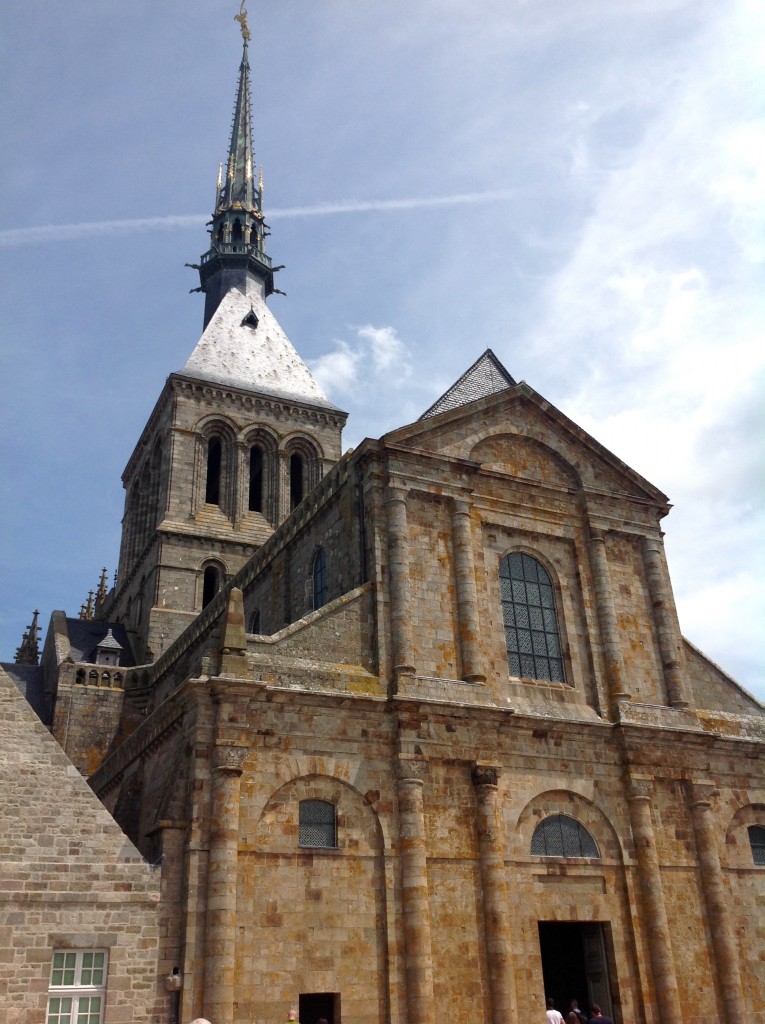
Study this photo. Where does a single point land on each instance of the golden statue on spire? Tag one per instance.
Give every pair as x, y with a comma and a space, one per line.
242, 19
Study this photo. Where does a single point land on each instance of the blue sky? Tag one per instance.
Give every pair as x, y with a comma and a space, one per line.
574, 183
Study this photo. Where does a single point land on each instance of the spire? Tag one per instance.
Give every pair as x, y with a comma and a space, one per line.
237, 257
28, 652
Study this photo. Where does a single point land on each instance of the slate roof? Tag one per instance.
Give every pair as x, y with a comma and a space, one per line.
86, 634
485, 377
30, 680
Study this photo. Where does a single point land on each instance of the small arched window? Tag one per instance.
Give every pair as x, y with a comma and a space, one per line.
532, 637
210, 584
256, 479
561, 836
319, 579
296, 480
255, 621
214, 462
318, 824
757, 843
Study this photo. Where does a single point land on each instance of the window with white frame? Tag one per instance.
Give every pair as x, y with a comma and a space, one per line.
77, 990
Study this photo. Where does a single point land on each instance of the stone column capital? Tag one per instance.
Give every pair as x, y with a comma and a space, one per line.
396, 492
229, 759
460, 507
701, 794
485, 775
639, 789
409, 769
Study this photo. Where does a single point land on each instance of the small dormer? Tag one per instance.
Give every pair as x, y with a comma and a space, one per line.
108, 651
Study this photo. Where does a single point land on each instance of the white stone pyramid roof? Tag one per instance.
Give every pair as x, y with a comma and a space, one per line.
257, 358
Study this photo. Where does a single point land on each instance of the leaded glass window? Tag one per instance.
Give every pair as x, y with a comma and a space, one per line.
757, 843
561, 836
317, 824
532, 637
319, 579
77, 988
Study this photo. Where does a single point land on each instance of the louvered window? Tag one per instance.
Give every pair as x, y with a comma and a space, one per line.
561, 836
317, 824
532, 637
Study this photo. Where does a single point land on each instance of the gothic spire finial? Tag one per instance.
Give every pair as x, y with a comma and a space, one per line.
237, 251
28, 651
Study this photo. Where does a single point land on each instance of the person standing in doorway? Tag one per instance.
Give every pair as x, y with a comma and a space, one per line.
553, 1016
580, 1017
598, 1016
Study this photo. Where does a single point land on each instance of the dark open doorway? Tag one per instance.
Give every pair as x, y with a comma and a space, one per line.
577, 963
315, 1005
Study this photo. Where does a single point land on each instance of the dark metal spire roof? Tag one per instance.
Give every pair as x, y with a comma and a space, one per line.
485, 377
237, 254
236, 188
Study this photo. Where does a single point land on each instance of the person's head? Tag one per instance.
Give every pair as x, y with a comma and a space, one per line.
574, 1004
550, 1003
292, 1015
596, 1010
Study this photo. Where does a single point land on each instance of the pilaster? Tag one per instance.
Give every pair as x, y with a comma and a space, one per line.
639, 793
496, 912
418, 956
721, 928
467, 598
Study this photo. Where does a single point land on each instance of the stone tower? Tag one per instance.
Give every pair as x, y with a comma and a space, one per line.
238, 436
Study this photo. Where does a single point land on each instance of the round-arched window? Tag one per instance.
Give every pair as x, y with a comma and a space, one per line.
532, 637
561, 836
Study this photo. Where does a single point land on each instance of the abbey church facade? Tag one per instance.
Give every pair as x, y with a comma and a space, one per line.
393, 736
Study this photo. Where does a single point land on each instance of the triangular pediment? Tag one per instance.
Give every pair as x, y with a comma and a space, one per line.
518, 433
244, 346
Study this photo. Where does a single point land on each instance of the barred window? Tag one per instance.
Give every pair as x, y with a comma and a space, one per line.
318, 824
77, 990
561, 836
319, 579
757, 843
532, 637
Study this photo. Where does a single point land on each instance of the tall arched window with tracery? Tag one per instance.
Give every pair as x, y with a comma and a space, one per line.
562, 836
532, 636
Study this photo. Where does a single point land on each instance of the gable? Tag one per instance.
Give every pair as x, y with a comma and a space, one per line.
519, 433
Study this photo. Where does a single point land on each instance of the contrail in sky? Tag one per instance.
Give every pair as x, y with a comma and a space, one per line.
87, 229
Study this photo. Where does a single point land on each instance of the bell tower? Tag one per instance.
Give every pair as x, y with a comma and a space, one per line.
238, 437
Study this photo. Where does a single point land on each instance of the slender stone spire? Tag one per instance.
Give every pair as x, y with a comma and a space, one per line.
28, 652
237, 257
